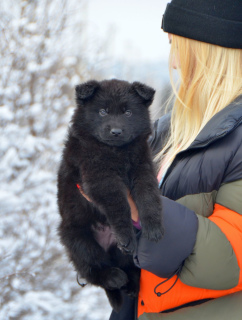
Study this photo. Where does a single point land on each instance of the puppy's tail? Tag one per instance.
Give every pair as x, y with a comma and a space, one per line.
115, 298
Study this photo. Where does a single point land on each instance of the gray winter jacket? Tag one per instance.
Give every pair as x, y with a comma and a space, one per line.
202, 197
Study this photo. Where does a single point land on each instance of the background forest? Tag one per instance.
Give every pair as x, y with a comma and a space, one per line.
46, 49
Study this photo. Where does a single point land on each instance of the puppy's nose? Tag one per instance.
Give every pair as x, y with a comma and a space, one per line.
116, 132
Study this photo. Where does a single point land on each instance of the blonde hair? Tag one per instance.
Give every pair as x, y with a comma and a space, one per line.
210, 79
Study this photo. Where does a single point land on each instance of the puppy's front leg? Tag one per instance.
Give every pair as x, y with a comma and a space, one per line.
145, 194
110, 196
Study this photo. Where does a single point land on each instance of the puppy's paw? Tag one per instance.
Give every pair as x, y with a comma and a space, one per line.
132, 289
154, 233
127, 246
115, 279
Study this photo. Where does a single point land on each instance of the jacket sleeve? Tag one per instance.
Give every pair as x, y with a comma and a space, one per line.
216, 262
166, 256
216, 259
210, 249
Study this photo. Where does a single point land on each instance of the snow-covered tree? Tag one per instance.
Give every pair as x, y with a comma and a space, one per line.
42, 50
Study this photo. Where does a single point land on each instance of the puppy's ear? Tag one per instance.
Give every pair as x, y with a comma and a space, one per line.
145, 92
86, 90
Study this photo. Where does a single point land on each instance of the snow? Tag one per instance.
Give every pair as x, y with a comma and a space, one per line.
5, 114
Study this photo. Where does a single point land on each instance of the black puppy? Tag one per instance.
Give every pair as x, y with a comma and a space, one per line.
107, 155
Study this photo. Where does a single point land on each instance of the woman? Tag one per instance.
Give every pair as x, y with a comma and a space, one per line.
199, 151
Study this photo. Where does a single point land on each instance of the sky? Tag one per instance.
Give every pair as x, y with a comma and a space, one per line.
133, 26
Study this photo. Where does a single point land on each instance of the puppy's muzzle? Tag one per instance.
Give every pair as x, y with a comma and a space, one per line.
116, 132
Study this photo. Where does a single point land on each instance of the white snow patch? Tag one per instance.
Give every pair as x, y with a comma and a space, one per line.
6, 114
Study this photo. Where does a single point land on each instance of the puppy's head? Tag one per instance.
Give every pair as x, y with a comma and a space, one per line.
113, 111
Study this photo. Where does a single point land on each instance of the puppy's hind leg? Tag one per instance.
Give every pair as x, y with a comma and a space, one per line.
115, 299
90, 259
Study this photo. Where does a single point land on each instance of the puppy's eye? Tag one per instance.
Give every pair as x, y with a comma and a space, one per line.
128, 113
103, 112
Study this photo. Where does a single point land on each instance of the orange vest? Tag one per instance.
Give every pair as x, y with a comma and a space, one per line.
230, 223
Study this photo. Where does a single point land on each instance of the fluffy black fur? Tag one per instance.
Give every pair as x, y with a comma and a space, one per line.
107, 154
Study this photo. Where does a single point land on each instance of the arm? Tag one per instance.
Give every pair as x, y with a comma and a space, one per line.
217, 256
215, 253
209, 269
217, 259
209, 247
165, 257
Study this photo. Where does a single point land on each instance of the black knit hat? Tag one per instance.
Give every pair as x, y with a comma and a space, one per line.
213, 21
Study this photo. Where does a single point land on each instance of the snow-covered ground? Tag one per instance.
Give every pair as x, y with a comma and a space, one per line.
41, 62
